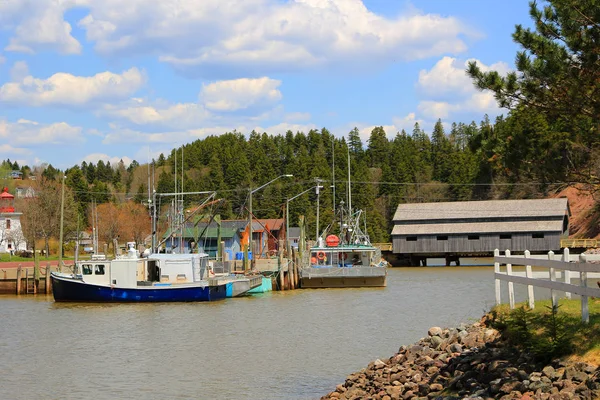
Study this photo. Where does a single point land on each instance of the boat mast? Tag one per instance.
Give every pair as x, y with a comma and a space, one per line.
349, 188
181, 213
333, 170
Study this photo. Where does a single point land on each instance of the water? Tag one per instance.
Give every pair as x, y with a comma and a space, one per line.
278, 345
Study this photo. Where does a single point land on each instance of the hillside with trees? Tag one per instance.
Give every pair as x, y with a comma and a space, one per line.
546, 143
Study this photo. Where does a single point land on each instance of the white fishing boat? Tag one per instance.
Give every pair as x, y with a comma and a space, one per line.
345, 259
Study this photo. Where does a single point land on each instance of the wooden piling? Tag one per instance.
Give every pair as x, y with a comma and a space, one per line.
47, 283
19, 276
294, 256
281, 270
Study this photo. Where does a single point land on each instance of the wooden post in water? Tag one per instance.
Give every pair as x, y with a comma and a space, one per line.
294, 255
529, 274
552, 279
290, 268
511, 285
47, 283
19, 275
585, 312
281, 272
497, 281
567, 273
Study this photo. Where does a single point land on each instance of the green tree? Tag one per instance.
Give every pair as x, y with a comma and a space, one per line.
558, 70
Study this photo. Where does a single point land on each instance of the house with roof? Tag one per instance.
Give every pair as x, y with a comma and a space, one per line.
266, 234
477, 228
11, 235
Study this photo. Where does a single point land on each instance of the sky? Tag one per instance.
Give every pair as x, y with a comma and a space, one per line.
89, 80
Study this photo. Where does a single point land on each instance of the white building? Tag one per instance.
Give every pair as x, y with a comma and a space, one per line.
11, 235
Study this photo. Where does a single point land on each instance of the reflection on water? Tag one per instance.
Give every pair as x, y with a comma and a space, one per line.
292, 345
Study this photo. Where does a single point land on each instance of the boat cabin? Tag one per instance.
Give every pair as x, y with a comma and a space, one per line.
131, 271
340, 256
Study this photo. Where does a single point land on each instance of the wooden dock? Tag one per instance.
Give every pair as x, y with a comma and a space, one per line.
579, 243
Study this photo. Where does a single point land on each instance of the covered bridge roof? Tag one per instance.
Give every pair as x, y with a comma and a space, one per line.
480, 217
465, 210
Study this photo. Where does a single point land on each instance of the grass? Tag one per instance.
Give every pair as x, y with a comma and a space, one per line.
532, 329
5, 257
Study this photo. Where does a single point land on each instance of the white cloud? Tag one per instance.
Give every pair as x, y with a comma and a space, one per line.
63, 89
39, 24
245, 35
161, 114
407, 122
449, 75
283, 127
19, 71
2, 59
29, 133
237, 94
95, 157
449, 90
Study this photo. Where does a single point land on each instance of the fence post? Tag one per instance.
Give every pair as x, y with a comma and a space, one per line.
585, 312
529, 275
552, 279
567, 273
497, 281
511, 285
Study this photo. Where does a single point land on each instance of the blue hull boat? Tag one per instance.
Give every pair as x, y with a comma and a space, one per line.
69, 288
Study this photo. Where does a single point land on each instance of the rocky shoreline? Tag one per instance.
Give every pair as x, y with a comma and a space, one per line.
471, 361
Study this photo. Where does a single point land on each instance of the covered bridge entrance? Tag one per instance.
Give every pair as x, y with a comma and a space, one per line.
475, 228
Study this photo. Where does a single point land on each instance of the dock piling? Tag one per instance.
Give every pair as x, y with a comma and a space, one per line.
19, 276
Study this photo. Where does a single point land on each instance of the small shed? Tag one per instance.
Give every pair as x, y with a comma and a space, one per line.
478, 227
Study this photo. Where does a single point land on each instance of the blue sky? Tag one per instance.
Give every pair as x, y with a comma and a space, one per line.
113, 79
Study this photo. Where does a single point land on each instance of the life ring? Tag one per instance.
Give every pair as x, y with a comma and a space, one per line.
321, 255
343, 256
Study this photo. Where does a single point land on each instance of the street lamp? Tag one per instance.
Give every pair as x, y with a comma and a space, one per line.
287, 218
252, 191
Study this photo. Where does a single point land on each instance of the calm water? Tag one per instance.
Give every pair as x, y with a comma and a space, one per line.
279, 345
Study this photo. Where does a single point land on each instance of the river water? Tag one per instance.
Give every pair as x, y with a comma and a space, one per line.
280, 345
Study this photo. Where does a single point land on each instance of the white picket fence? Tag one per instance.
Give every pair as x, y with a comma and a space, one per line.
582, 267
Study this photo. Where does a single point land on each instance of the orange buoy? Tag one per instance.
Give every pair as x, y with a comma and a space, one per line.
332, 240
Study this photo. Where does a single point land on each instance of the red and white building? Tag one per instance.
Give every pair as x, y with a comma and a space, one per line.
11, 235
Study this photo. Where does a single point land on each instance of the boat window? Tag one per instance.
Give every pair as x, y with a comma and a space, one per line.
411, 238
537, 235
442, 237
473, 237
99, 270
181, 277
164, 278
86, 269
505, 236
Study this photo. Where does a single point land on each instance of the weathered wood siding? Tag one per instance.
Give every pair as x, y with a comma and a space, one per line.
428, 244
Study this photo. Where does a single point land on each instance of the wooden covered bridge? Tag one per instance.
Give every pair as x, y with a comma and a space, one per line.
475, 228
